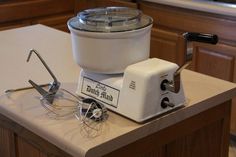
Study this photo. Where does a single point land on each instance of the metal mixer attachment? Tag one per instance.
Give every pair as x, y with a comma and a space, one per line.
57, 101
53, 87
91, 111
92, 116
54, 100
61, 103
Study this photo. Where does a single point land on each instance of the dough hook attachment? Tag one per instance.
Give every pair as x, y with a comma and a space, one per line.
53, 87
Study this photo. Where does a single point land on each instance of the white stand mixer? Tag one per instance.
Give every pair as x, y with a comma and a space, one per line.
147, 87
137, 93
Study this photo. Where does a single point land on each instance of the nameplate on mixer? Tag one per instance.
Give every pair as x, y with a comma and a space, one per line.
100, 91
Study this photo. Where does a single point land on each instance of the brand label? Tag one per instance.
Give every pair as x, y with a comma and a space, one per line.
100, 91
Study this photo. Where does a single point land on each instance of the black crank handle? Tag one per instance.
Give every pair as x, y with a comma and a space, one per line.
200, 37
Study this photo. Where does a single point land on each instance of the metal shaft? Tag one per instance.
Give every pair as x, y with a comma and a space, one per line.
24, 88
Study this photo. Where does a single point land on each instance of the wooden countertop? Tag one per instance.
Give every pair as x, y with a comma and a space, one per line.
201, 5
202, 92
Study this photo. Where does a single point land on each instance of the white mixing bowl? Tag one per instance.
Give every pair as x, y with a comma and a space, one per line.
108, 47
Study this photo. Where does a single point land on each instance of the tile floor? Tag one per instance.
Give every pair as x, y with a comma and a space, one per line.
232, 149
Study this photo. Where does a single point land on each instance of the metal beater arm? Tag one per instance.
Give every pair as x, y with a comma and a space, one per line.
44, 63
55, 84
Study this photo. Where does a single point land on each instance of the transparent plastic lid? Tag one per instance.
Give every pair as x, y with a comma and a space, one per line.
110, 19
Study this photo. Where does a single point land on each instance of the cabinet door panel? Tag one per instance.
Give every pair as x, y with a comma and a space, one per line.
203, 143
6, 143
30, 9
211, 62
25, 149
168, 46
124, 3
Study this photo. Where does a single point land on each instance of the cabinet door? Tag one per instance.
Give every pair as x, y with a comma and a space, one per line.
167, 45
203, 143
217, 61
24, 149
209, 136
6, 143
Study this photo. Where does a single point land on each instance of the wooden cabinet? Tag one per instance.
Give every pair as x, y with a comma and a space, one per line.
167, 45
16, 141
166, 42
207, 137
86, 4
191, 144
7, 143
56, 21
218, 61
54, 13
124, 3
25, 149
215, 60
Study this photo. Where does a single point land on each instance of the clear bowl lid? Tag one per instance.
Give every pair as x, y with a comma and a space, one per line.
110, 19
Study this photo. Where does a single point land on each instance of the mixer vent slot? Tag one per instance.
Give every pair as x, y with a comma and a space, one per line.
132, 85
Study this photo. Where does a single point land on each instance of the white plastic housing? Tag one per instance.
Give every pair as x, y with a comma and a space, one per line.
141, 94
136, 94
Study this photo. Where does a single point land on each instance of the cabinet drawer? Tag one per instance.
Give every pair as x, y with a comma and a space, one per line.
124, 3
56, 21
190, 20
18, 10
